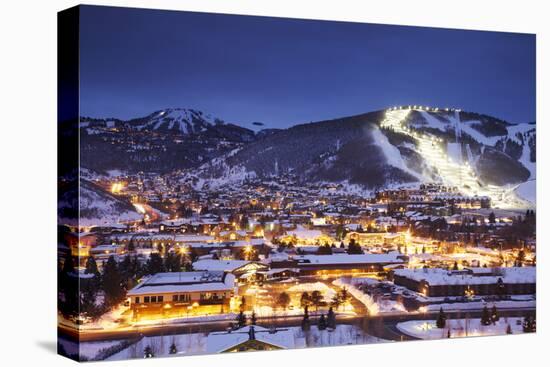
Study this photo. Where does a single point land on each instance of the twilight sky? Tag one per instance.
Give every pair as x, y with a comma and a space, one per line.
285, 71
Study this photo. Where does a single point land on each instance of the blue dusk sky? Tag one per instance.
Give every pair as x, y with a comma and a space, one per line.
286, 71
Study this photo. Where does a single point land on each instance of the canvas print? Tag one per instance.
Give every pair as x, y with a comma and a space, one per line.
237, 183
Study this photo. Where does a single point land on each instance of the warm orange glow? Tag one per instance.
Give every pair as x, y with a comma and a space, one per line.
117, 187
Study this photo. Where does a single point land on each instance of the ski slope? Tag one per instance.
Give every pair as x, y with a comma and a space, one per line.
451, 170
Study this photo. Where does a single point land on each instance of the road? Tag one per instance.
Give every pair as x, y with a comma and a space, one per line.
382, 326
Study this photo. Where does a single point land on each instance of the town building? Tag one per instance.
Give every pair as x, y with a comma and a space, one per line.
182, 293
436, 282
250, 338
243, 270
340, 263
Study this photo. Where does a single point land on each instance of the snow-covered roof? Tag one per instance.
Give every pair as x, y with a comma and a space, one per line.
175, 222
306, 234
392, 257
101, 248
218, 342
219, 265
179, 282
524, 275
239, 232
192, 238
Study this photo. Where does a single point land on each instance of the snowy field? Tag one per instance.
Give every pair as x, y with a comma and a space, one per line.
426, 329
374, 307
327, 292
88, 350
528, 190
190, 344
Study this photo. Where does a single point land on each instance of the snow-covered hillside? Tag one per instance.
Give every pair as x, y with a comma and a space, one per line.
478, 154
163, 141
98, 207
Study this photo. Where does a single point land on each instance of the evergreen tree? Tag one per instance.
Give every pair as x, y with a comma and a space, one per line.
90, 287
322, 323
316, 299
500, 288
148, 352
509, 329
253, 318
331, 319
485, 317
241, 319
529, 324
441, 319
492, 218
340, 232
172, 262
520, 258
283, 300
155, 264
173, 348
305, 321
131, 270
112, 283
91, 266
354, 248
324, 250
336, 301
69, 288
305, 300
87, 297
344, 295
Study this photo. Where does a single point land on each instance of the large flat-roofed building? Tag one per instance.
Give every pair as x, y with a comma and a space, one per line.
241, 269
326, 264
481, 281
181, 293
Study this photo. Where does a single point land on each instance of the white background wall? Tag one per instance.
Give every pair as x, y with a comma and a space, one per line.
28, 178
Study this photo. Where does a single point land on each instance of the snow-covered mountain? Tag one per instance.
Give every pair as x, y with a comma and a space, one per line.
166, 140
174, 121
177, 120
480, 154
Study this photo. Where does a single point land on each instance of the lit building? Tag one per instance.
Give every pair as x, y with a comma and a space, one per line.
327, 264
180, 293
376, 239
250, 338
306, 237
241, 269
481, 281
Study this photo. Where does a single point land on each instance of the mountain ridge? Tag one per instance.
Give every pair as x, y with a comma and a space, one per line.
360, 149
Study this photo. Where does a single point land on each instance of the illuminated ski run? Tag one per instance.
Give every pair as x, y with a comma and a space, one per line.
450, 172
